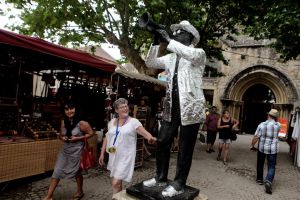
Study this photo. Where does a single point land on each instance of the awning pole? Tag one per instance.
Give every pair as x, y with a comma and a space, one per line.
18, 83
117, 87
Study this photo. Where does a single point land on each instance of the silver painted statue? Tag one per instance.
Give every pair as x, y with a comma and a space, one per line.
184, 103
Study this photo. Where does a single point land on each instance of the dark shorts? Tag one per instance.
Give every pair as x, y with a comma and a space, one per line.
211, 137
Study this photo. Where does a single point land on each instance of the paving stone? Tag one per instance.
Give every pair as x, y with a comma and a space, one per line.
215, 180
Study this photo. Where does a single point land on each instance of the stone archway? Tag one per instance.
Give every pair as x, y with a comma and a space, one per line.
283, 89
258, 99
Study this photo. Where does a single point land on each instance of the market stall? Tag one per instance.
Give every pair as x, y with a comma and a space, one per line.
295, 141
133, 85
29, 123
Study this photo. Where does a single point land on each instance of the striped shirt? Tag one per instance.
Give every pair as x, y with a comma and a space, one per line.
267, 132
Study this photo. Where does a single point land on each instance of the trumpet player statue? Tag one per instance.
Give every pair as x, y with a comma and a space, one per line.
183, 106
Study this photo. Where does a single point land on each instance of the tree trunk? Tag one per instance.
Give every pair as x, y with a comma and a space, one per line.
134, 58
127, 50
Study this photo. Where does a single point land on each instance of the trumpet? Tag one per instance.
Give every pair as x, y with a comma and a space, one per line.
145, 21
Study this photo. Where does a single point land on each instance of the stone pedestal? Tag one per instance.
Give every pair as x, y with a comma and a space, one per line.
124, 196
154, 193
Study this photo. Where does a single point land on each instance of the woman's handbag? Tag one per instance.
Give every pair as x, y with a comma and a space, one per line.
202, 137
87, 157
233, 135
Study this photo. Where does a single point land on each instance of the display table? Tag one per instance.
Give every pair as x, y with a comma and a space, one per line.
23, 159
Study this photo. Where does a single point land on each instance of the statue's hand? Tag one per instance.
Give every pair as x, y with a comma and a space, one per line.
156, 40
164, 35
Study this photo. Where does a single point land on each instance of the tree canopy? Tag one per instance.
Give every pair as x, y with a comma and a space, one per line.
279, 20
115, 21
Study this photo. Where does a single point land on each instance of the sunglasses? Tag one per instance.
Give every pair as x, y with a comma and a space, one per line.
179, 32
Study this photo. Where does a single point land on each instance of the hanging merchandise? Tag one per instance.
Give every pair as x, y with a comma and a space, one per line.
48, 79
295, 137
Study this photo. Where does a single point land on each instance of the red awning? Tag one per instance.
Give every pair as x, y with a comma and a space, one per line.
43, 46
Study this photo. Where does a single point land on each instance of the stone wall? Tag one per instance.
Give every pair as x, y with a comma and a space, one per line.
243, 56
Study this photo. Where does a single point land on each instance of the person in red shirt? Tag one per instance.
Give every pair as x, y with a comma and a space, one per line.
210, 126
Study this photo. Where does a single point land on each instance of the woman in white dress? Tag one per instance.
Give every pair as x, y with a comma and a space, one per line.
120, 143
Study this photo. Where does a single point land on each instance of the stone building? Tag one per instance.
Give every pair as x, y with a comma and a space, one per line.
254, 81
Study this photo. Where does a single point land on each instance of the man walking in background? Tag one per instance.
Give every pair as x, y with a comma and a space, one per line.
267, 137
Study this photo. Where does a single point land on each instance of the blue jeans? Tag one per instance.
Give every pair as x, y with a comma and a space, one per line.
271, 158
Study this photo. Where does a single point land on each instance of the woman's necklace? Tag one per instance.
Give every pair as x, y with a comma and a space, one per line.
113, 149
117, 129
119, 121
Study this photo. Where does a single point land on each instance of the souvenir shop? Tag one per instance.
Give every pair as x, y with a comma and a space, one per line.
35, 78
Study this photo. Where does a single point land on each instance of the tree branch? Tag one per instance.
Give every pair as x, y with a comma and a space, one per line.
111, 19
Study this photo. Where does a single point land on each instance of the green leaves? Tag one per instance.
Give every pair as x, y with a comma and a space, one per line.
280, 21
115, 21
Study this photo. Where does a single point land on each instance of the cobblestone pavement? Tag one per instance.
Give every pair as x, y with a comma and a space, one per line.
217, 181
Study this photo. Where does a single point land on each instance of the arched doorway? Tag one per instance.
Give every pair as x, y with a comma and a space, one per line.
258, 100
251, 93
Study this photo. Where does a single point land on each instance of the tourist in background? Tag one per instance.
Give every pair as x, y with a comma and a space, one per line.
144, 103
210, 126
225, 125
267, 136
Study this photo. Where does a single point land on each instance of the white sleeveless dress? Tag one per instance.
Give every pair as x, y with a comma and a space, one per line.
121, 163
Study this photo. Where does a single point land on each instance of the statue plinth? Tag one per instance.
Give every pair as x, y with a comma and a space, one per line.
154, 193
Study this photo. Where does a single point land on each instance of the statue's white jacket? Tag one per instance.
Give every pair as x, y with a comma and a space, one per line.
190, 71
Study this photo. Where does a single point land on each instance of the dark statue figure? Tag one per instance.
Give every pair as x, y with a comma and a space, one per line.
183, 108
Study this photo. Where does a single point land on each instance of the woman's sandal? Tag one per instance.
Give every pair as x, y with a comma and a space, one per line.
78, 197
225, 162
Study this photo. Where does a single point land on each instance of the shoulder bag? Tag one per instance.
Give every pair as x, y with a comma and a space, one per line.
88, 159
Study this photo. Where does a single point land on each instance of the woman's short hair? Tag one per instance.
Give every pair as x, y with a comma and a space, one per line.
119, 101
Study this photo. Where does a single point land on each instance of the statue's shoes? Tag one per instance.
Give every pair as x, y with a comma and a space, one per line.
170, 191
152, 183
